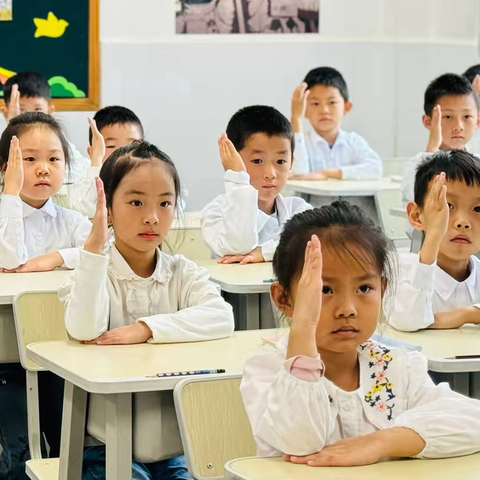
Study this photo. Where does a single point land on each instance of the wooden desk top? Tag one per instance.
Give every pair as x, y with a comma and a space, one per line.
461, 468
125, 368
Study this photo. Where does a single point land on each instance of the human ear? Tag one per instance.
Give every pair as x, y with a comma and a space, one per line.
348, 107
281, 300
51, 108
414, 216
427, 121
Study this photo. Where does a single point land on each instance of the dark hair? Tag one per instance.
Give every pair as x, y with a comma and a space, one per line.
339, 226
112, 115
258, 119
128, 158
30, 84
472, 72
329, 77
26, 121
458, 165
447, 84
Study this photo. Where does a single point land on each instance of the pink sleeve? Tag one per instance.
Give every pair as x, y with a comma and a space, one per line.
305, 368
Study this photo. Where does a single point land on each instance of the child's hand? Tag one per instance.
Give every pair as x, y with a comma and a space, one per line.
310, 176
299, 105
98, 150
14, 171
255, 256
128, 335
13, 109
231, 159
43, 263
99, 235
435, 141
476, 85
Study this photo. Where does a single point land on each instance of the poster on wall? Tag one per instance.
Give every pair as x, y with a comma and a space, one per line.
247, 16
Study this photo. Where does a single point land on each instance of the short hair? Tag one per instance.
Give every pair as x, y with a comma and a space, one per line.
112, 115
447, 84
258, 119
472, 72
128, 158
30, 85
458, 166
329, 77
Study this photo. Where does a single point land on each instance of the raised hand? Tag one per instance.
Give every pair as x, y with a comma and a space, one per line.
99, 235
436, 139
14, 172
98, 149
299, 105
231, 159
13, 109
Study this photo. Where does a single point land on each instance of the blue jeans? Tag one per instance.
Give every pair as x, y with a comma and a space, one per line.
172, 468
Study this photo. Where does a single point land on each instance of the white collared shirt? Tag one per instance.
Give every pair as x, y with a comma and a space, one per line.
232, 223
177, 301
298, 417
351, 153
423, 290
27, 232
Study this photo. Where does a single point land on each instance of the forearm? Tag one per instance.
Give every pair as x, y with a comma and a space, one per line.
332, 173
430, 249
456, 318
398, 442
302, 340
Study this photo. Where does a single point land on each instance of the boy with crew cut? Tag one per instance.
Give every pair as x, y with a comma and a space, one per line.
440, 287
244, 223
327, 151
30, 92
451, 115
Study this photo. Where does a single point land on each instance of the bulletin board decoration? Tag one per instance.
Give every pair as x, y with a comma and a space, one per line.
60, 40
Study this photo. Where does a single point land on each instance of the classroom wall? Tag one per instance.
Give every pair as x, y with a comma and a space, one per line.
185, 88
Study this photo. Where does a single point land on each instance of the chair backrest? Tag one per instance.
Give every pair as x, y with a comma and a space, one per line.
213, 424
188, 242
38, 317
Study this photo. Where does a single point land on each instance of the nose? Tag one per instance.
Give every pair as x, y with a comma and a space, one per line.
151, 218
458, 127
42, 168
463, 223
269, 173
345, 307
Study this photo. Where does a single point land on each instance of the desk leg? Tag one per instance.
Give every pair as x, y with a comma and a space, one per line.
119, 436
475, 385
73, 432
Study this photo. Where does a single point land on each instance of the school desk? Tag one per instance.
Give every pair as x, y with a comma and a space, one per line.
248, 282
118, 371
12, 284
441, 347
465, 468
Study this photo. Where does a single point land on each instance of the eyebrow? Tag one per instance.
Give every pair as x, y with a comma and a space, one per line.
454, 196
362, 278
281, 152
53, 150
138, 192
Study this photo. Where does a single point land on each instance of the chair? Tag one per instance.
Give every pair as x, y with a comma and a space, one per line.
213, 424
38, 317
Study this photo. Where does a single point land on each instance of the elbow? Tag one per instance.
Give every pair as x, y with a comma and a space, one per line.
404, 324
242, 245
81, 332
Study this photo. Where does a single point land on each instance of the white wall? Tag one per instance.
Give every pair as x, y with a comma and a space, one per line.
185, 88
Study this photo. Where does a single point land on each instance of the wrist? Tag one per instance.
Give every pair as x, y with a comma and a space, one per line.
96, 161
11, 191
473, 315
93, 247
59, 261
432, 147
296, 122
430, 248
399, 442
146, 330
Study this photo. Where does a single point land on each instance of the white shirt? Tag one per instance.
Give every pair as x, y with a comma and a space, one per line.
78, 166
232, 223
351, 153
423, 290
177, 302
27, 232
298, 417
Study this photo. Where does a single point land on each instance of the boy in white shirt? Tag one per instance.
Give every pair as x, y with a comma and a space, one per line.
451, 115
472, 74
328, 151
440, 287
30, 92
244, 224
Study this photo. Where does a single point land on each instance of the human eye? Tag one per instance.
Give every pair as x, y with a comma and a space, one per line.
364, 288
29, 159
257, 161
110, 147
166, 204
136, 203
447, 117
476, 209
327, 290
450, 206
54, 159
281, 162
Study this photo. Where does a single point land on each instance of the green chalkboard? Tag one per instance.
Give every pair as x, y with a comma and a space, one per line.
57, 38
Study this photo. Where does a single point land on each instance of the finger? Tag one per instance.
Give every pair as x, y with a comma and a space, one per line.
230, 147
93, 126
316, 251
233, 259
286, 458
306, 262
443, 195
328, 459
246, 259
307, 94
299, 460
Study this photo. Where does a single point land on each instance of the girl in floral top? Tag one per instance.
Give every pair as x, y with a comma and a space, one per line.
328, 395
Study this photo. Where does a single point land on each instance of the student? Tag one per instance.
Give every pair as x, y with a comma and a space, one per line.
472, 74
327, 151
244, 224
111, 127
35, 235
327, 394
136, 293
440, 287
451, 115
30, 92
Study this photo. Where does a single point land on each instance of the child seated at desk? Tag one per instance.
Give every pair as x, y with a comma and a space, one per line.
30, 92
244, 224
327, 151
135, 293
35, 235
440, 287
327, 394
451, 115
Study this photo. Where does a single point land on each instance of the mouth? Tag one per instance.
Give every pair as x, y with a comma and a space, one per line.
461, 239
148, 235
42, 184
324, 119
269, 186
346, 331
458, 137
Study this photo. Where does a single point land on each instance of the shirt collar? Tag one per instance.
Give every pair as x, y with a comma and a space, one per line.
280, 209
122, 270
446, 285
48, 208
341, 138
